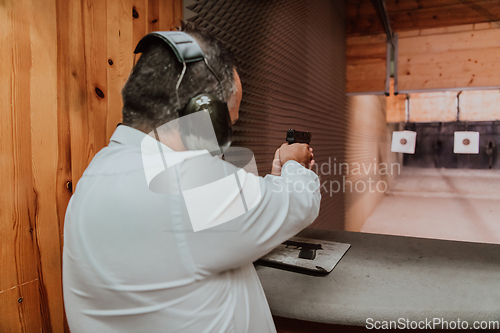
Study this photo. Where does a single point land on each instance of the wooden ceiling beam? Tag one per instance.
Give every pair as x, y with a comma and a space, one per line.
419, 14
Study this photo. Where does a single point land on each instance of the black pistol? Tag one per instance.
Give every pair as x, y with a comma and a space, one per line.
293, 136
307, 251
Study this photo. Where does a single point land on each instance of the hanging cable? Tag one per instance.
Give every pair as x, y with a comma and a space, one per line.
458, 105
407, 108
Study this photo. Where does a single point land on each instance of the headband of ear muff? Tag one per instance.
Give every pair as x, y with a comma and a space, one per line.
187, 50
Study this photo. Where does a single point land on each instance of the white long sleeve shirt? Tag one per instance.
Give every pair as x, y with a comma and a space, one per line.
132, 262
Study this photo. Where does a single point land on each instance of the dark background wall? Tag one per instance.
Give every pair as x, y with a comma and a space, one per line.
434, 148
291, 59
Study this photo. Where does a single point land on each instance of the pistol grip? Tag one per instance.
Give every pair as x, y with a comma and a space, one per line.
309, 254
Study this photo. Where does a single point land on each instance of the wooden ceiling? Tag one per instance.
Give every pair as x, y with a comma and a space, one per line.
407, 15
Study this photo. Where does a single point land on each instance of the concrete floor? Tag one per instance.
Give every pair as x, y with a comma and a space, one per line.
453, 204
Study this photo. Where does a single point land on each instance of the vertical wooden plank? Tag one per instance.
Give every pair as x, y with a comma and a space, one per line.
96, 62
140, 20
126, 40
19, 297
44, 143
153, 15
64, 182
178, 13
120, 47
165, 18
89, 118
76, 91
74, 127
170, 14
113, 68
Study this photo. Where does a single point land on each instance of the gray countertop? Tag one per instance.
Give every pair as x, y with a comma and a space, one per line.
390, 277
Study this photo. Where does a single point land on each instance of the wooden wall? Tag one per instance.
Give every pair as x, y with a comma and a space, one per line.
62, 66
443, 44
480, 105
475, 105
436, 64
453, 57
408, 15
433, 106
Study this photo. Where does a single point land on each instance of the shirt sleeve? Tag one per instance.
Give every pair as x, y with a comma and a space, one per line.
288, 203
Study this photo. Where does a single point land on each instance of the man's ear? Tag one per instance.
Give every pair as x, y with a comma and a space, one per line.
235, 100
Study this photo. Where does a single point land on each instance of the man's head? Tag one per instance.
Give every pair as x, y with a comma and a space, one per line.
149, 96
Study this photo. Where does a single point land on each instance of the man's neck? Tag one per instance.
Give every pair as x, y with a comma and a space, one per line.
171, 139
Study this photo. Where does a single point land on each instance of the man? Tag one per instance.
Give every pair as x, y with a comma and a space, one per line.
132, 262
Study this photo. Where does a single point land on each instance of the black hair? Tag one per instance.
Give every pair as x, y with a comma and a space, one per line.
149, 98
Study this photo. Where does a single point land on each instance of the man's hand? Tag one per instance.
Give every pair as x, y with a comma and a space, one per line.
276, 169
299, 152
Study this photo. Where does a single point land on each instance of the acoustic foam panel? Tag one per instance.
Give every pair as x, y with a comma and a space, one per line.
291, 60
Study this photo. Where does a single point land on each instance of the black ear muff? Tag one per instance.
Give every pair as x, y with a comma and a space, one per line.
221, 122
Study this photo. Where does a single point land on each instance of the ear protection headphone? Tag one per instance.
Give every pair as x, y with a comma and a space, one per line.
187, 50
